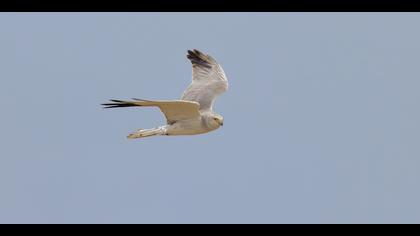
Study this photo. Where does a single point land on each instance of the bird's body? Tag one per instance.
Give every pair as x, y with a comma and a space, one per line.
199, 125
193, 113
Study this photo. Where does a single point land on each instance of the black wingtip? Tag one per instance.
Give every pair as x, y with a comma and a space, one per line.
197, 58
195, 51
118, 103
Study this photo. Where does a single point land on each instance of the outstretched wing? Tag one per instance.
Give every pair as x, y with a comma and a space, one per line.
174, 110
208, 80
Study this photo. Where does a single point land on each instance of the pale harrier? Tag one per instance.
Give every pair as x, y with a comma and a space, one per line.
193, 114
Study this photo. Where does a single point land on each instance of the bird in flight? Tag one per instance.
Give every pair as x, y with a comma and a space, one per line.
193, 113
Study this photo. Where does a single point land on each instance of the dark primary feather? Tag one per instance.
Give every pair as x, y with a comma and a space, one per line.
197, 58
119, 103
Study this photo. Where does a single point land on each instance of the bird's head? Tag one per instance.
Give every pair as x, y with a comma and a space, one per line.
216, 120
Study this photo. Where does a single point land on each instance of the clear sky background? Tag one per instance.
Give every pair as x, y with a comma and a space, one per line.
321, 118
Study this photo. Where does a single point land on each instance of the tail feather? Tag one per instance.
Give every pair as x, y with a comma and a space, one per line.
141, 133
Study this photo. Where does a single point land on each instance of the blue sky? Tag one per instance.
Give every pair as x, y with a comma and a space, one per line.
321, 118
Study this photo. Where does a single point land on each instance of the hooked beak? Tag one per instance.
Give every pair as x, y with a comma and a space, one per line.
221, 124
